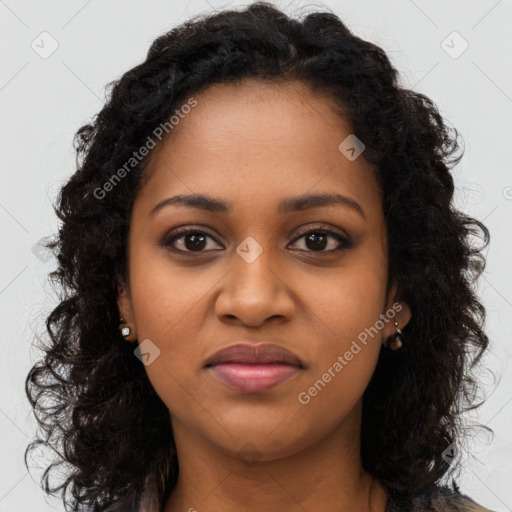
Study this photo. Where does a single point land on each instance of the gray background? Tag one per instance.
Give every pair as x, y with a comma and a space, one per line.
45, 98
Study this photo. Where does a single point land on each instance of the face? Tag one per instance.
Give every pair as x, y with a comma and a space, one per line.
262, 266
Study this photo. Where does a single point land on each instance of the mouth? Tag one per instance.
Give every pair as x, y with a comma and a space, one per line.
254, 368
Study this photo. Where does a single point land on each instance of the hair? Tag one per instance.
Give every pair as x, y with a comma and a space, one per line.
93, 401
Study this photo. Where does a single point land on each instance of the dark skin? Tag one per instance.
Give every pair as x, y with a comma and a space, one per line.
255, 144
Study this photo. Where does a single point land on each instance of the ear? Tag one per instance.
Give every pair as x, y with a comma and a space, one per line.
401, 309
124, 305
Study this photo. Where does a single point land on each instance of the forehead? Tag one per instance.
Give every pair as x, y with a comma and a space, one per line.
256, 111
260, 140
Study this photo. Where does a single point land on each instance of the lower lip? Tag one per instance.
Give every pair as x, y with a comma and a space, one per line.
253, 378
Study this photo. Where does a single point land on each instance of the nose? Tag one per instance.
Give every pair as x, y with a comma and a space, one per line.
254, 291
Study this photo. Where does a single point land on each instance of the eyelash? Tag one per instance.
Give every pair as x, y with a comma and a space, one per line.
169, 239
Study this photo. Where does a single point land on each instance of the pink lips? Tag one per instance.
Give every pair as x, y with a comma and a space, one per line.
254, 368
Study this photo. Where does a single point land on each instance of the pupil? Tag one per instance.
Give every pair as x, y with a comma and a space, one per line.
315, 238
196, 244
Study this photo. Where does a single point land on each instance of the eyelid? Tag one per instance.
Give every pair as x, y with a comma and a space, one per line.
324, 228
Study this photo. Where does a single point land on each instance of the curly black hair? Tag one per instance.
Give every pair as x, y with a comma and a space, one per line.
92, 398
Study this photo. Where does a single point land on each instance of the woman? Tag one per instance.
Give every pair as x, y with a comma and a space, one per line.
269, 298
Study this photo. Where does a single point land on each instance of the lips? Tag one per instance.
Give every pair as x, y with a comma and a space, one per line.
248, 353
254, 368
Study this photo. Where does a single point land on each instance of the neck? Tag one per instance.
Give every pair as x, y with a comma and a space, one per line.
326, 475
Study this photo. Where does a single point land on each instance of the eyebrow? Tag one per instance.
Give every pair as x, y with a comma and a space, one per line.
288, 205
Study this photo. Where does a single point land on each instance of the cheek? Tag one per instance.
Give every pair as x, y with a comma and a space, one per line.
346, 310
348, 302
347, 350
166, 296
166, 303
170, 306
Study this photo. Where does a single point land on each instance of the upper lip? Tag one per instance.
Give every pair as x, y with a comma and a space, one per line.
262, 353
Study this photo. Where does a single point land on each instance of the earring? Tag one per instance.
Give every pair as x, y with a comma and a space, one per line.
126, 331
395, 341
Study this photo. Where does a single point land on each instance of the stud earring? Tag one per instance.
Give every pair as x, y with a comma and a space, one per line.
395, 341
126, 331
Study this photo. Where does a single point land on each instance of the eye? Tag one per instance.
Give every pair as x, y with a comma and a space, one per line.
317, 240
192, 239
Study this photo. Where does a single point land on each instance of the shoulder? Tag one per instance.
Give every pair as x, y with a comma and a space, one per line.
434, 498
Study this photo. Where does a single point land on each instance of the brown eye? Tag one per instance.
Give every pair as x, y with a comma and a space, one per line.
317, 240
192, 240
